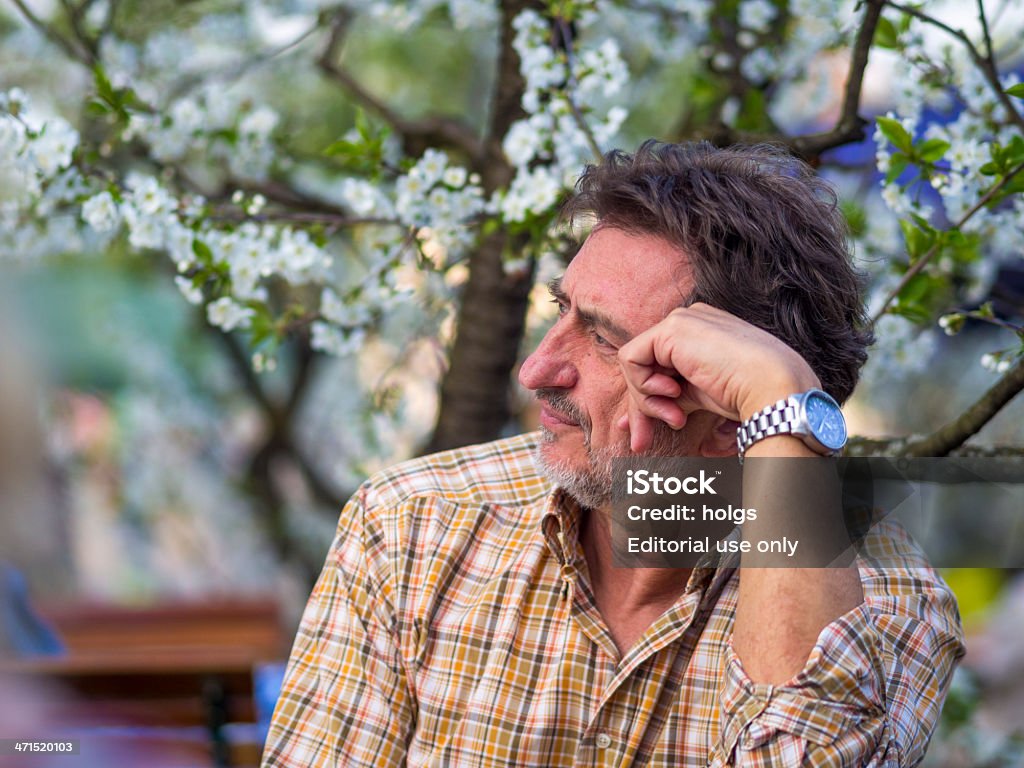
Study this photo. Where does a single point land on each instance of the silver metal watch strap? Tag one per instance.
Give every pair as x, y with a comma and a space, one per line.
779, 418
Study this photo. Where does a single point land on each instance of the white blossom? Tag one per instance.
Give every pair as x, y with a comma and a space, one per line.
455, 176
522, 143
430, 167
149, 198
334, 341
227, 315
365, 198
192, 294
531, 192
260, 122
52, 148
144, 231
340, 313
757, 14
759, 65
101, 212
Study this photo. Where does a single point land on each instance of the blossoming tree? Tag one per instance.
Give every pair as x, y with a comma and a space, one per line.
182, 138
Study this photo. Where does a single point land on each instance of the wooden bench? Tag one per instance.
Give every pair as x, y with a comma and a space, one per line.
179, 674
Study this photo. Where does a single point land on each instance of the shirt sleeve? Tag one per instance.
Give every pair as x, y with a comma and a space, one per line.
870, 693
345, 700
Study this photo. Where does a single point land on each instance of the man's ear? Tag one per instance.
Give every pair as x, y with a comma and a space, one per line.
720, 441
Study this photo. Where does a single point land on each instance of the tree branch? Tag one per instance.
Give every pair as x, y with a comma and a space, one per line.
235, 71
427, 131
850, 125
957, 432
74, 14
243, 366
920, 264
986, 63
984, 30
280, 439
336, 221
571, 85
53, 36
279, 192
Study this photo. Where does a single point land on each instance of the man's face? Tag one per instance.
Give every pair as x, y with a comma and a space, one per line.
618, 285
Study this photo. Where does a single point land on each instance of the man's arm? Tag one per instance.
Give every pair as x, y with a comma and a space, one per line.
733, 369
872, 689
812, 667
345, 700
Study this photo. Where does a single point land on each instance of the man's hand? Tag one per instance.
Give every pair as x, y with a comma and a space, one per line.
703, 358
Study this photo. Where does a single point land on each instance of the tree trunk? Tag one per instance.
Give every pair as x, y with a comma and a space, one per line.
475, 392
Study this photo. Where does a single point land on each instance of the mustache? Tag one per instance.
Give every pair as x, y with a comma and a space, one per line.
559, 401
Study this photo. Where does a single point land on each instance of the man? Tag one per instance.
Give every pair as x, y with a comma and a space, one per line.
469, 612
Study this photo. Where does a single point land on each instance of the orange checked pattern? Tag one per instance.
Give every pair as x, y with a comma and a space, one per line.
442, 633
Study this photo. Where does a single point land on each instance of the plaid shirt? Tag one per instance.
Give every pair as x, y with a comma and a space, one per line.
454, 624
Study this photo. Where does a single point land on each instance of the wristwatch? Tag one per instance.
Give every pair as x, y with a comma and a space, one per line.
813, 416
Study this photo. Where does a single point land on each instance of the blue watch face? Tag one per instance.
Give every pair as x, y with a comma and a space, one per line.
826, 422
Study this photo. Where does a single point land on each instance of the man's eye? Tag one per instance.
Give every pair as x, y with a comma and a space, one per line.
601, 341
562, 306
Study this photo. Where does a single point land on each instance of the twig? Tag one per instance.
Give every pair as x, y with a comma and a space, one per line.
281, 193
52, 35
108, 22
970, 422
334, 220
235, 71
572, 85
277, 415
920, 264
74, 14
433, 130
985, 63
984, 30
850, 125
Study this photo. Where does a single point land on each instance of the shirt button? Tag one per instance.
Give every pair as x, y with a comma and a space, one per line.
603, 740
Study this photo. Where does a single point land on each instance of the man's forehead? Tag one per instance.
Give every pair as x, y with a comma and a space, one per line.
616, 267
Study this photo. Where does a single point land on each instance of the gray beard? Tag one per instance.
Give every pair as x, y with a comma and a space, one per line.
591, 486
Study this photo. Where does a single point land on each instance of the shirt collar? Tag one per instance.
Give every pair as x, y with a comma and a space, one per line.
560, 524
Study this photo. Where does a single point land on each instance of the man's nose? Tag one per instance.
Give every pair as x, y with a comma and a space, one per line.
549, 365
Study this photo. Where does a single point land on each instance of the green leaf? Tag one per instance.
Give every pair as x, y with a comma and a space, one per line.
932, 150
918, 240
916, 296
964, 248
490, 226
261, 327
1016, 90
116, 100
897, 135
342, 148
753, 115
363, 127
1013, 187
1014, 152
97, 108
989, 169
856, 217
886, 35
897, 164
202, 251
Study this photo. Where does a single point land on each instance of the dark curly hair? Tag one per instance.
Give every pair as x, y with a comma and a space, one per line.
764, 238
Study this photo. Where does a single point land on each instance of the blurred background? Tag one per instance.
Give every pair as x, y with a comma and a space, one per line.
252, 252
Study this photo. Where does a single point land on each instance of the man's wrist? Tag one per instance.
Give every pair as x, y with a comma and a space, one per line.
779, 390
